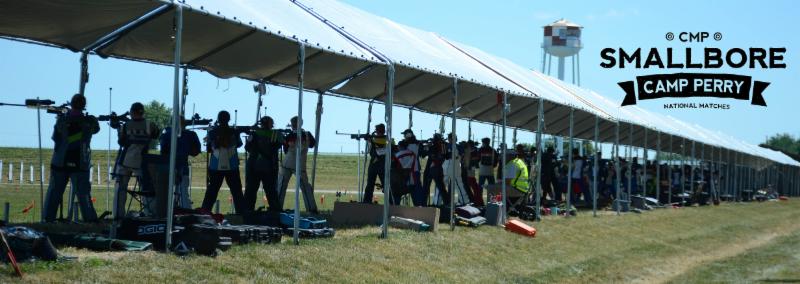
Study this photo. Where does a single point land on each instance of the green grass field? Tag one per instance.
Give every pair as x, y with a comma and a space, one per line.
729, 243
744, 242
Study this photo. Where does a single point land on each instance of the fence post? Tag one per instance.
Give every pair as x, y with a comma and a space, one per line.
1, 171
21, 171
91, 173
10, 173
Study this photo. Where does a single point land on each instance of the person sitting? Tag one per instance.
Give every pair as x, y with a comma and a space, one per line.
134, 138
515, 178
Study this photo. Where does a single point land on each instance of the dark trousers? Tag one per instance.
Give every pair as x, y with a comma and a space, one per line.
82, 189
477, 192
215, 182
400, 185
550, 186
436, 175
267, 179
374, 171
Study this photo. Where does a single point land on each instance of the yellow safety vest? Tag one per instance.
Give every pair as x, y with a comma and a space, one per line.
521, 181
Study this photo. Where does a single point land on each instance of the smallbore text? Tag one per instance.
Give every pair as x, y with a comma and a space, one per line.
712, 58
696, 106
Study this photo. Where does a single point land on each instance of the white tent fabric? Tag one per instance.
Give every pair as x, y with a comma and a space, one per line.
555, 96
70, 24
425, 66
256, 40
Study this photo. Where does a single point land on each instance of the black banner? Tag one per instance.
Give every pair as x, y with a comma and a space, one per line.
685, 85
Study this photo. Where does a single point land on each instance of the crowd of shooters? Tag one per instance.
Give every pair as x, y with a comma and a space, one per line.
477, 168
74, 129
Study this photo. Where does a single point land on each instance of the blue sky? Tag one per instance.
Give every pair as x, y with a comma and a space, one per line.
510, 29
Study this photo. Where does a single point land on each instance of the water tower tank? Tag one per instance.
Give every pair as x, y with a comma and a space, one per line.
562, 38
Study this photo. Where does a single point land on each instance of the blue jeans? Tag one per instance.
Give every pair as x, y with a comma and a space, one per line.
81, 187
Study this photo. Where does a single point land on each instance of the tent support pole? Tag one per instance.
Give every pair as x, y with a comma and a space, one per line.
317, 125
540, 146
732, 174
683, 171
644, 166
387, 166
669, 170
503, 158
569, 162
175, 123
362, 181
617, 169
598, 155
453, 161
657, 161
693, 160
701, 163
630, 164
301, 72
735, 177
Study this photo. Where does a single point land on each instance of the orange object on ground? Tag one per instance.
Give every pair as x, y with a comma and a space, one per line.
518, 227
784, 198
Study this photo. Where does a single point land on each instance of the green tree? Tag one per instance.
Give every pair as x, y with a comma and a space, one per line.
785, 142
158, 113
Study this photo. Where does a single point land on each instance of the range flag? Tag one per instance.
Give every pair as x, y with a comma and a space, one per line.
29, 207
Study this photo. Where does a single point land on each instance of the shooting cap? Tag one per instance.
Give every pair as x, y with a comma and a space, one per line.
407, 131
264, 120
486, 140
78, 102
137, 107
223, 116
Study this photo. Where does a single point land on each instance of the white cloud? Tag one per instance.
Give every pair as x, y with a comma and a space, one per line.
544, 16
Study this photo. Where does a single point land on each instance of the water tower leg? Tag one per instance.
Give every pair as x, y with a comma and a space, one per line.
561, 68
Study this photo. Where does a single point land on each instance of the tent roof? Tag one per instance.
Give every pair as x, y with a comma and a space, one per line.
65, 23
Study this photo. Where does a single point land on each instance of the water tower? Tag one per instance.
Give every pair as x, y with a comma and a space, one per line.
562, 39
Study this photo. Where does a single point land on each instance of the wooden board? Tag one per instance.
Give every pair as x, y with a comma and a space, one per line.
361, 214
